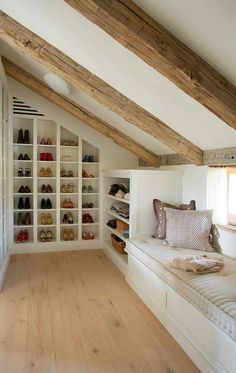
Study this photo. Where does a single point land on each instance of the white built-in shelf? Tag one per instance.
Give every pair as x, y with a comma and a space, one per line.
22, 210
90, 162
69, 146
22, 194
46, 210
23, 226
16, 144
89, 224
46, 225
124, 257
69, 209
22, 177
90, 178
68, 225
117, 216
89, 194
68, 178
22, 160
117, 198
68, 193
46, 146
90, 209
115, 231
68, 162
46, 177
48, 162
46, 194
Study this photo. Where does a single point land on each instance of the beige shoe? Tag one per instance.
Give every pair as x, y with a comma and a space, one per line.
43, 219
49, 219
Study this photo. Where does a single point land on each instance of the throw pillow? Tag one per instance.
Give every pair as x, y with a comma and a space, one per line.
189, 229
159, 209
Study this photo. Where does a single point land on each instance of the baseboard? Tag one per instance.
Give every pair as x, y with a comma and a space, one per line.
4, 270
204, 360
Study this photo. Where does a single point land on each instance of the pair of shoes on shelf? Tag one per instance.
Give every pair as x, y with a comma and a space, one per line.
68, 143
46, 189
23, 189
88, 205
87, 189
87, 218
67, 188
24, 157
46, 204
24, 205
45, 172
45, 236
46, 157
89, 158
23, 137
22, 236
47, 141
21, 173
68, 235
46, 219
88, 236
24, 219
68, 204
68, 218
86, 175
65, 173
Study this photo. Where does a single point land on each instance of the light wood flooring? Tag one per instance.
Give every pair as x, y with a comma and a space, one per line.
73, 312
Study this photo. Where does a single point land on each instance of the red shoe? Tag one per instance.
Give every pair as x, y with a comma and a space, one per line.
19, 237
49, 141
49, 157
43, 156
25, 236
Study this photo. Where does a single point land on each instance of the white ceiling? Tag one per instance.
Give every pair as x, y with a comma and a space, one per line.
70, 32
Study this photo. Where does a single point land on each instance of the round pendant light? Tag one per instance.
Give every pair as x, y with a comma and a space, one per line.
58, 84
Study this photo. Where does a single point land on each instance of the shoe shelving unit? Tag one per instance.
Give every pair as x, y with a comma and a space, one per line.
68, 151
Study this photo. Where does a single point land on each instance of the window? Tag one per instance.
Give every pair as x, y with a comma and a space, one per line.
231, 195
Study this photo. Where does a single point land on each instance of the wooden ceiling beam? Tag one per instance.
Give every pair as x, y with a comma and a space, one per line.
55, 60
141, 34
80, 113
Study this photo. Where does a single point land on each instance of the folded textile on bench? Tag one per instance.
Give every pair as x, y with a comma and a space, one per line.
198, 264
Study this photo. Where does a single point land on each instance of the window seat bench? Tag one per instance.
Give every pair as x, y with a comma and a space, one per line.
198, 310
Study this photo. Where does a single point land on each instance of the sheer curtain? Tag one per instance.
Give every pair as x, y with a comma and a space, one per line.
217, 194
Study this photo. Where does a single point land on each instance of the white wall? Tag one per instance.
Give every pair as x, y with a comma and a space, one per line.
194, 186
111, 155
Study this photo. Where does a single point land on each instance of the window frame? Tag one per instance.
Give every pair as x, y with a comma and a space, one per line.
231, 217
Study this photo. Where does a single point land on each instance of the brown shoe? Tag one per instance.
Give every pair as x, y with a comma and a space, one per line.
27, 219
43, 188
49, 189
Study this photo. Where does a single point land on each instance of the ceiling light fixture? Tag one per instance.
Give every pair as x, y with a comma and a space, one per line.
58, 84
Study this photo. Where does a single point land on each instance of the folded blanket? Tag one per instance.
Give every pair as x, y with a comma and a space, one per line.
198, 264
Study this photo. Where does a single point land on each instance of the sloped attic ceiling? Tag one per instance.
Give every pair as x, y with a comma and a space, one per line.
93, 48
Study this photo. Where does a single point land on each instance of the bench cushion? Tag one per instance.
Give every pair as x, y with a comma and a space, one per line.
214, 294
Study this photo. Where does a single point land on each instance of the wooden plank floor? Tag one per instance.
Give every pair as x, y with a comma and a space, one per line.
73, 312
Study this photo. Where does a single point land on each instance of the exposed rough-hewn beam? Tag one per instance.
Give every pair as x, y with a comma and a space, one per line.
133, 28
77, 75
84, 115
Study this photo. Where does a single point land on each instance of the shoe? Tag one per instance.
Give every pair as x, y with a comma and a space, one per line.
20, 137
42, 172
43, 204
27, 189
49, 157
85, 158
70, 173
22, 189
65, 204
27, 220
84, 173
70, 204
71, 235
20, 172
43, 236
64, 188
43, 220
49, 141
27, 203
49, 189
20, 157
63, 172
87, 218
43, 141
65, 235
19, 237
49, 236
27, 172
42, 156
43, 189
91, 158
21, 204
65, 219
90, 189
26, 157
91, 236
85, 205
48, 204
84, 189
26, 137
90, 205
70, 218
20, 219
48, 172
49, 219
70, 188
25, 236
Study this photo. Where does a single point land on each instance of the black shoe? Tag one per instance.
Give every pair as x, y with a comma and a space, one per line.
20, 204
22, 189
65, 219
26, 157
27, 203
48, 204
20, 219
27, 189
43, 204
26, 137
20, 158
20, 137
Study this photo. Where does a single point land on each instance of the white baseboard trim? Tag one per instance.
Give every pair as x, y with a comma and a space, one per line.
202, 357
4, 270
